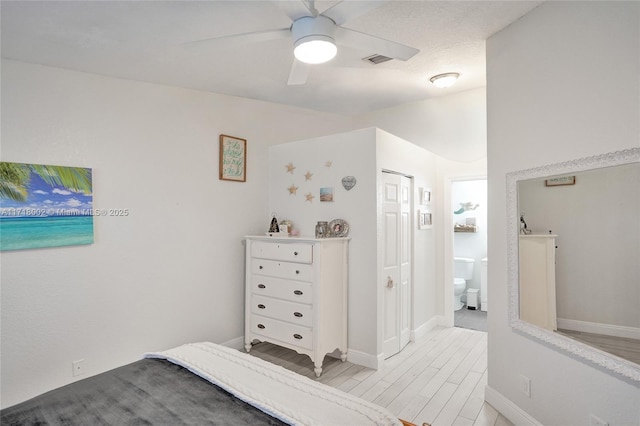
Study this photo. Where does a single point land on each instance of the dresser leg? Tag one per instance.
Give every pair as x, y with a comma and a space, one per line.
318, 369
343, 356
247, 347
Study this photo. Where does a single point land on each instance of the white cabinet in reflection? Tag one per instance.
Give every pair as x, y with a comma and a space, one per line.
537, 262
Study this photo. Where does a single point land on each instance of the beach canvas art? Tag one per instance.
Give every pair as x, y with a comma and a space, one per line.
44, 206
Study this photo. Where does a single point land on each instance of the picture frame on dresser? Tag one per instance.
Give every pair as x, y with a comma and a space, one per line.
233, 158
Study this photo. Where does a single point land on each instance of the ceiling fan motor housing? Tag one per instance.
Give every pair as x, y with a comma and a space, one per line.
310, 28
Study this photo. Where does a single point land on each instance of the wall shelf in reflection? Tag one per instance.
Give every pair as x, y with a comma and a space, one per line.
464, 228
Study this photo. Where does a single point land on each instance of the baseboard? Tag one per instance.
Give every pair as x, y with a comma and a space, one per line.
425, 328
353, 356
237, 343
597, 328
443, 321
362, 358
511, 411
365, 359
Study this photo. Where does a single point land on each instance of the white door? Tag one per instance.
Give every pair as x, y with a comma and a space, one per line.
396, 268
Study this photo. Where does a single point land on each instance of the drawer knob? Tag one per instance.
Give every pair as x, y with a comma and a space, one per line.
261, 326
261, 306
262, 286
297, 336
297, 292
298, 314
295, 253
260, 267
297, 272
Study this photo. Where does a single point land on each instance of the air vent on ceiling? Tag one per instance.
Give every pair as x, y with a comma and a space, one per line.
376, 59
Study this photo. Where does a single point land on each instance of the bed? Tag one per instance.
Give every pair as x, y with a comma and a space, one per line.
197, 384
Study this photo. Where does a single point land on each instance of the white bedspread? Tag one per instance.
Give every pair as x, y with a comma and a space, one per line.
288, 396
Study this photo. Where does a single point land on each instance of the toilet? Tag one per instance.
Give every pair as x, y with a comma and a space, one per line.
462, 271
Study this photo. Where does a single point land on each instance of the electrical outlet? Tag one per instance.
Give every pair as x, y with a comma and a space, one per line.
596, 421
525, 385
77, 367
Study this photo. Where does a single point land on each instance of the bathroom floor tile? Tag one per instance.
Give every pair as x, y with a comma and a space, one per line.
471, 319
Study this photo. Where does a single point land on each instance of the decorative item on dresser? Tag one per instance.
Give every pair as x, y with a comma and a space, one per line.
296, 294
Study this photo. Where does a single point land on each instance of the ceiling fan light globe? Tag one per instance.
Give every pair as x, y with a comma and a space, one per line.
445, 80
315, 49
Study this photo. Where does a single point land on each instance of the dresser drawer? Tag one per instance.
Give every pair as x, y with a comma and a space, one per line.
290, 252
282, 331
288, 270
295, 291
296, 313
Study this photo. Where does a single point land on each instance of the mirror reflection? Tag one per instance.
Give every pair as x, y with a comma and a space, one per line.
579, 256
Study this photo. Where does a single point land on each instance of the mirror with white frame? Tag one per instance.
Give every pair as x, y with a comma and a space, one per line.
573, 256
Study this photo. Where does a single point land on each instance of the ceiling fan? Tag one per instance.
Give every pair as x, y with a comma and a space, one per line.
315, 35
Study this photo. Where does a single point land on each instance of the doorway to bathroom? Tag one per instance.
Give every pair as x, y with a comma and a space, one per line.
470, 263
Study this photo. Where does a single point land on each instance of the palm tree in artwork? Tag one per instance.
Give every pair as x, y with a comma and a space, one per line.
14, 179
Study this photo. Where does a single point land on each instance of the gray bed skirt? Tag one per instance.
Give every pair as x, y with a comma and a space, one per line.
146, 392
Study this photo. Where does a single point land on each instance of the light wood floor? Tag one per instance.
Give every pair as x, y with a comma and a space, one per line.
628, 349
439, 380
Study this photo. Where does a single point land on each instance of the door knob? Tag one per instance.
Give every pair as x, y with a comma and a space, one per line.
389, 282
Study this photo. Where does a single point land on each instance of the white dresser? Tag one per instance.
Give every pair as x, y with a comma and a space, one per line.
296, 294
537, 274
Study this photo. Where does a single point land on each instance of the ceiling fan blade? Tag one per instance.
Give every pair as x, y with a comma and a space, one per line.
374, 45
235, 40
299, 73
347, 10
296, 9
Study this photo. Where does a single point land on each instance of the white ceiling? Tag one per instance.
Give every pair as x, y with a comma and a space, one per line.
149, 41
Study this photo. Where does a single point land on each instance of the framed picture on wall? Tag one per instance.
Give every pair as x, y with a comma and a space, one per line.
233, 158
425, 219
425, 196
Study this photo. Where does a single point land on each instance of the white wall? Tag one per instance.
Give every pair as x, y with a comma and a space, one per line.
395, 154
448, 173
453, 126
145, 285
351, 154
362, 154
549, 101
598, 254
172, 271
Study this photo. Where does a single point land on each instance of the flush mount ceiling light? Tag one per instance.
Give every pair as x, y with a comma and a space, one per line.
445, 80
313, 39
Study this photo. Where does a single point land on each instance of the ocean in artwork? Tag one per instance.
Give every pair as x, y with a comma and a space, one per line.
34, 232
44, 206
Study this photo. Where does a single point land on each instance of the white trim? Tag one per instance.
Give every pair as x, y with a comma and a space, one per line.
353, 356
443, 320
237, 343
507, 408
598, 328
365, 359
447, 319
595, 356
419, 333
448, 243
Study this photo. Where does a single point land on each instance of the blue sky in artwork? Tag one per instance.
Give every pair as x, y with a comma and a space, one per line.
44, 199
